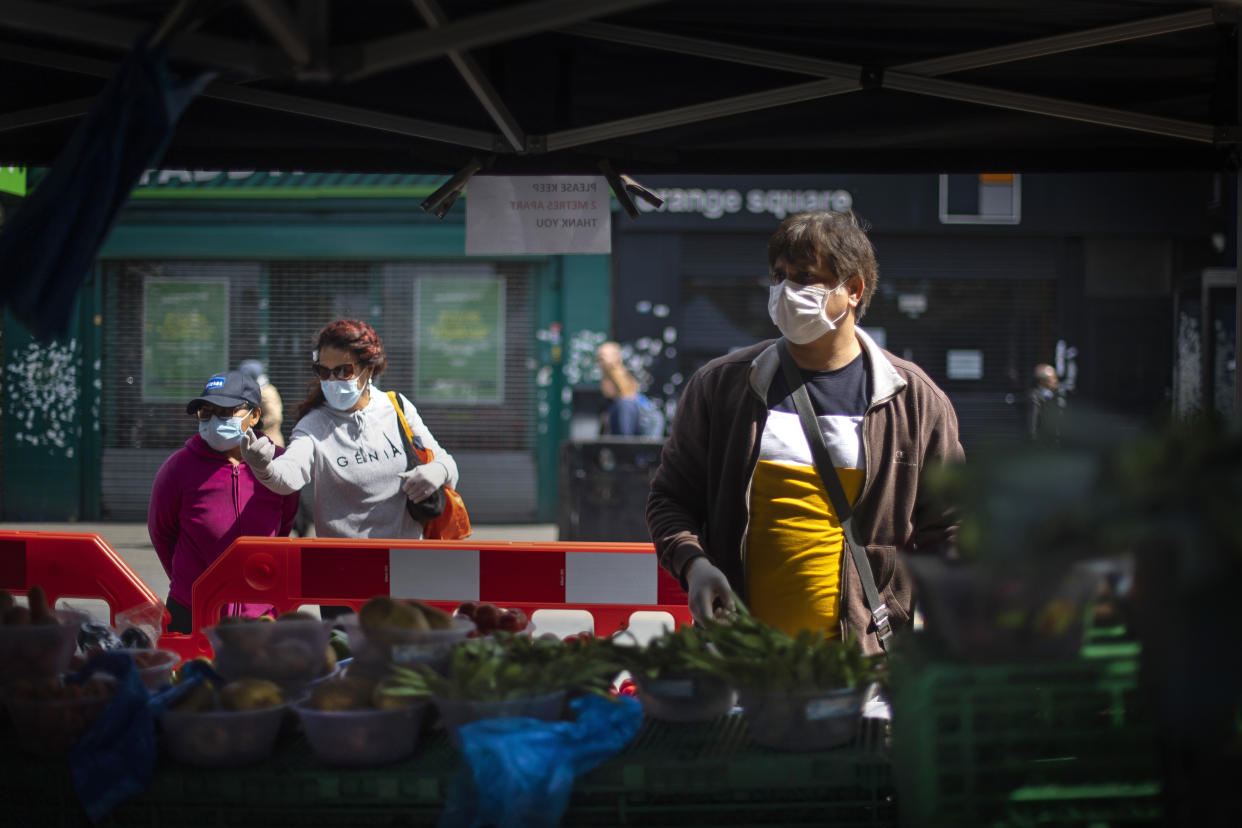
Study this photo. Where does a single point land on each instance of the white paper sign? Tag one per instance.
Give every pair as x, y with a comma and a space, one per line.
964, 365
537, 215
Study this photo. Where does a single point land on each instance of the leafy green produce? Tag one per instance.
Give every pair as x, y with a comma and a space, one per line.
751, 654
671, 654
505, 666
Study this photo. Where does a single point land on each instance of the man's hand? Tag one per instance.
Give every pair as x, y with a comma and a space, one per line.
708, 589
421, 482
258, 452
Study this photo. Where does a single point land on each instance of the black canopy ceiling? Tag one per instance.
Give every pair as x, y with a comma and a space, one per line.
673, 86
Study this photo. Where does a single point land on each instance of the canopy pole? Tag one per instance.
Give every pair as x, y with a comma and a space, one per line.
1237, 243
1237, 300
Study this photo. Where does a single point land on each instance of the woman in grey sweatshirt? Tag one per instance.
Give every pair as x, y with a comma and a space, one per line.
348, 440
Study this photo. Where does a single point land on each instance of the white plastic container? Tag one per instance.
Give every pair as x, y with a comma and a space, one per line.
803, 720
32, 650
692, 697
457, 712
221, 738
362, 737
159, 666
289, 653
393, 645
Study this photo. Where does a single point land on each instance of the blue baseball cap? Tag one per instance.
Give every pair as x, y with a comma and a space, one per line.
227, 390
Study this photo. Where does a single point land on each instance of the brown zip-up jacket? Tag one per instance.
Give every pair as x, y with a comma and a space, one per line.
700, 497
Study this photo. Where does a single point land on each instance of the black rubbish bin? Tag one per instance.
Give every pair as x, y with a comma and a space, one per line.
603, 488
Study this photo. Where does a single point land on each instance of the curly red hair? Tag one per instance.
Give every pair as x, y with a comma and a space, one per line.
352, 335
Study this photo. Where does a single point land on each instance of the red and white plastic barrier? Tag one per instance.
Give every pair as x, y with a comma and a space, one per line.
70, 565
611, 581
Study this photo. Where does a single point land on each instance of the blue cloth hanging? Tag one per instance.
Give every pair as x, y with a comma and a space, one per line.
48, 246
519, 772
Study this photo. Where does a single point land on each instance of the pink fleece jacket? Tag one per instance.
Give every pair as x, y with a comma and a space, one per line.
201, 503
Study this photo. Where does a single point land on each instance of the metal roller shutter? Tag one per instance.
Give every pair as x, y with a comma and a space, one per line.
169, 325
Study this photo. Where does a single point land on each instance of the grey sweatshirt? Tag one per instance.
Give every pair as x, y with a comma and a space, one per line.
355, 458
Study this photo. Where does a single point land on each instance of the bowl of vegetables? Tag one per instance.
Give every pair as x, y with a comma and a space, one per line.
457, 712
290, 651
675, 677
803, 692
388, 631
508, 674
235, 724
35, 641
351, 721
814, 719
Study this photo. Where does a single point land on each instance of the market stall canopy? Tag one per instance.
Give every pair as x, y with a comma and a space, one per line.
713, 86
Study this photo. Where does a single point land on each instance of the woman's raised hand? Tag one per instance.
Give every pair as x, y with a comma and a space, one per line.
257, 451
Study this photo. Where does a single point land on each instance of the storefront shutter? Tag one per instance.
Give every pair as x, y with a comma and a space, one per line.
169, 325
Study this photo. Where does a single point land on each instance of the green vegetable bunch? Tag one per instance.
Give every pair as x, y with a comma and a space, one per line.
671, 654
506, 666
753, 655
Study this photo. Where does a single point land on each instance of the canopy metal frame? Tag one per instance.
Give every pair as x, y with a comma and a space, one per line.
294, 33
296, 43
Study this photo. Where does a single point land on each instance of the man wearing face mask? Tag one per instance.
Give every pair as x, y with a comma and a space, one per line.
737, 505
204, 497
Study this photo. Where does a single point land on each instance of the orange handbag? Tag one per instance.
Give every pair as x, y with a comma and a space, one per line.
453, 522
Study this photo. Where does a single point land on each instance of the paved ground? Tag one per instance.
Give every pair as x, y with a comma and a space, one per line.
131, 542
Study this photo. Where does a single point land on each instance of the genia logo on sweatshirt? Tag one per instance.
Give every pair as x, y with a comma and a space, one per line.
370, 455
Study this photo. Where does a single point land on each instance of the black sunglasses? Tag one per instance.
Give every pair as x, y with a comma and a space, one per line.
206, 411
346, 371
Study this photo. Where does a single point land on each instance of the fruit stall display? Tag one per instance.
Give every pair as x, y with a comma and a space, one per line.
286, 697
294, 722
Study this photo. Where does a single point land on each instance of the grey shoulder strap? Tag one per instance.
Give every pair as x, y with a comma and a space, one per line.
840, 503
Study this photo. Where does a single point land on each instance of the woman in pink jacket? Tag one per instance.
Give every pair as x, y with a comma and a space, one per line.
205, 497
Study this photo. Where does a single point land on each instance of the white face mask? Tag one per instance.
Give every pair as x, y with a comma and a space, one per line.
801, 311
343, 394
221, 435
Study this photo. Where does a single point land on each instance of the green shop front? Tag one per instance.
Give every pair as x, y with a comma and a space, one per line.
207, 269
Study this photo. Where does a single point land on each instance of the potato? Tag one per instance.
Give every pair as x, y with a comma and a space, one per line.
346, 693
250, 694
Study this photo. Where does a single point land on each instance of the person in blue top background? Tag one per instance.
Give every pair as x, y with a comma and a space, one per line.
630, 413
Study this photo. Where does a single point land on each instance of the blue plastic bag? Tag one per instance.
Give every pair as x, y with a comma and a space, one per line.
115, 757
520, 772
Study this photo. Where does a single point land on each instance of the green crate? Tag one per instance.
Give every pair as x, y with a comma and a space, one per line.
1023, 744
711, 774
